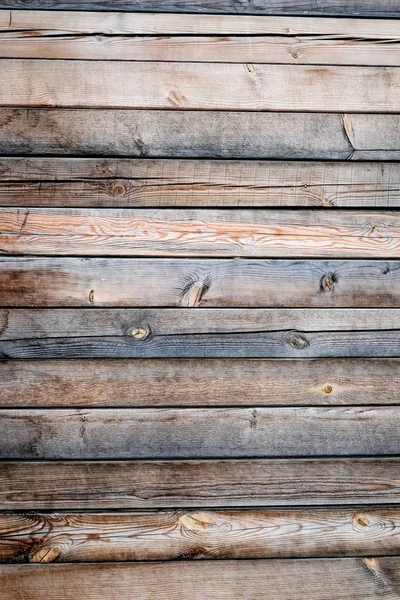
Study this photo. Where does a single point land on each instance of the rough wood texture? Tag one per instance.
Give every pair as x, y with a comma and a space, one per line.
208, 233
231, 183
203, 333
211, 86
198, 484
331, 579
116, 36
229, 534
92, 282
383, 8
64, 434
101, 383
200, 134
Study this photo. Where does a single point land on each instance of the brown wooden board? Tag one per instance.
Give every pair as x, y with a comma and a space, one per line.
198, 484
204, 534
186, 382
168, 182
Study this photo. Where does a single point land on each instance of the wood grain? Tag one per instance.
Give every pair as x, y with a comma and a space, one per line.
211, 86
207, 134
167, 383
385, 8
153, 433
169, 282
230, 183
331, 579
228, 534
207, 233
198, 484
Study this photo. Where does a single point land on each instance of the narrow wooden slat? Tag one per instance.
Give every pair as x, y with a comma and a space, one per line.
211, 86
166, 383
232, 183
68, 434
219, 233
227, 534
331, 579
385, 8
198, 484
169, 282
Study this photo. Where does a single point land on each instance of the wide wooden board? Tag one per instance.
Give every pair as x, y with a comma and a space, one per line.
167, 182
331, 579
225, 534
205, 86
186, 382
153, 433
208, 233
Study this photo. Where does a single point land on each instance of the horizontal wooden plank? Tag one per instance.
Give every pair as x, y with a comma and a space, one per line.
153, 433
101, 383
210, 86
142, 37
214, 134
333, 579
385, 8
198, 484
207, 233
168, 182
180, 282
228, 534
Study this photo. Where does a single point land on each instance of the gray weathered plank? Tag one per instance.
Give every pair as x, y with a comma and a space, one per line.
169, 282
198, 484
153, 433
331, 579
205, 86
225, 534
168, 182
167, 383
203, 233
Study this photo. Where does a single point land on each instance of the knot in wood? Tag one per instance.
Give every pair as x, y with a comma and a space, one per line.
298, 341
327, 283
327, 389
361, 521
118, 189
140, 333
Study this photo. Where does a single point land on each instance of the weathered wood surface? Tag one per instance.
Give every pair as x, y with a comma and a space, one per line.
153, 433
207, 134
180, 282
166, 383
203, 333
141, 37
383, 8
228, 534
211, 86
207, 233
198, 484
331, 579
231, 183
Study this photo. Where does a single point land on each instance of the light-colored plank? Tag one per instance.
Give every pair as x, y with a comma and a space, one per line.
210, 86
331, 579
167, 182
206, 233
186, 382
76, 434
225, 534
179, 282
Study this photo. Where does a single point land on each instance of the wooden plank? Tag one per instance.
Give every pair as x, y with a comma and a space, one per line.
225, 534
212, 134
333, 579
167, 383
180, 282
152, 433
161, 85
207, 233
198, 484
385, 8
167, 182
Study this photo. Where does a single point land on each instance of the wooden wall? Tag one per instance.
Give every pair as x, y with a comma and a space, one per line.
199, 299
